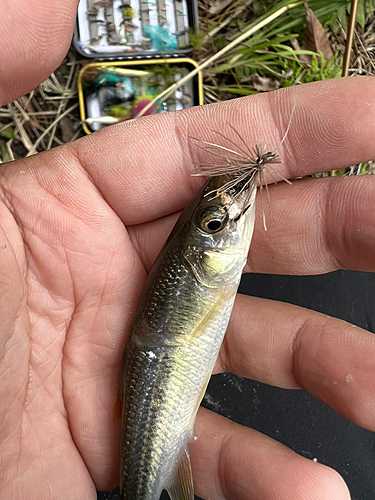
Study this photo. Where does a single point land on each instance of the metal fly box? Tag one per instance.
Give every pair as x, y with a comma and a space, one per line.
138, 50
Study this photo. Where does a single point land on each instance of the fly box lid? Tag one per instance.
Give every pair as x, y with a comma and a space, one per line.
135, 29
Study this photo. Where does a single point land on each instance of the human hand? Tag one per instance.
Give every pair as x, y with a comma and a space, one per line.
80, 228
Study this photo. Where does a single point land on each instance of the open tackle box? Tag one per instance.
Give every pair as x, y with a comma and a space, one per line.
138, 49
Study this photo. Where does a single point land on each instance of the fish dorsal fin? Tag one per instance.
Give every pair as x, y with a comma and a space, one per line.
181, 485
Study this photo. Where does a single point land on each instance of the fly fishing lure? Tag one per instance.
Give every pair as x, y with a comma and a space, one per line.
244, 166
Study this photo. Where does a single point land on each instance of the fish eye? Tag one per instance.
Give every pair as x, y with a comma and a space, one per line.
212, 219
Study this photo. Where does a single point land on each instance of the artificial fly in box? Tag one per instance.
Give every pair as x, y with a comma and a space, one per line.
110, 27
114, 92
147, 43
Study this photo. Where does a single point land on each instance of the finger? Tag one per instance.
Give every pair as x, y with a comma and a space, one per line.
314, 226
84, 281
151, 160
292, 347
231, 461
34, 38
149, 238
14, 343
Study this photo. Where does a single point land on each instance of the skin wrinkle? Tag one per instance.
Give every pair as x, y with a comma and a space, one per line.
297, 364
9, 335
7, 200
348, 204
9, 248
9, 437
76, 148
75, 152
221, 468
225, 364
321, 222
144, 240
43, 314
47, 325
2, 190
222, 363
329, 189
17, 317
47, 387
29, 253
140, 251
63, 348
29, 376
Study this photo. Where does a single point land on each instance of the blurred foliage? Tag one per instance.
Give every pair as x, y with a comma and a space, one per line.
7, 133
366, 9
319, 69
270, 54
339, 15
274, 56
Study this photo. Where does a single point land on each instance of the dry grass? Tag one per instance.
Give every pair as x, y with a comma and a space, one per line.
48, 116
44, 118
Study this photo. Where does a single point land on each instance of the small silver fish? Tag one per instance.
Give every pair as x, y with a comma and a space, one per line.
177, 332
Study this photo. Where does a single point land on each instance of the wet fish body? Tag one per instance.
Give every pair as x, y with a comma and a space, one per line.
175, 339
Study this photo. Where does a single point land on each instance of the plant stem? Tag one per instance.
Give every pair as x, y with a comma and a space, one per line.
349, 39
254, 27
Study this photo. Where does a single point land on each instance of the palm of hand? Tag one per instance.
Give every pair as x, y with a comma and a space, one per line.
71, 274
69, 277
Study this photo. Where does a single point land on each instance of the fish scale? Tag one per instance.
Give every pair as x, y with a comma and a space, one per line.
174, 341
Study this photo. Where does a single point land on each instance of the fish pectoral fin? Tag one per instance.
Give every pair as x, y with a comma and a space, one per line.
181, 485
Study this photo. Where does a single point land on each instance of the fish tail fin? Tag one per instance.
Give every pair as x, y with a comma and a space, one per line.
181, 484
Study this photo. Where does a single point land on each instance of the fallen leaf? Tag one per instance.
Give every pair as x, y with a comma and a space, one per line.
261, 83
305, 58
67, 129
315, 38
286, 74
218, 6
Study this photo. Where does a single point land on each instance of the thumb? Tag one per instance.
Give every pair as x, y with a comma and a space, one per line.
34, 38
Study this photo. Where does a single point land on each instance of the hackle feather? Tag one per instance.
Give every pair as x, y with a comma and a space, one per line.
245, 167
